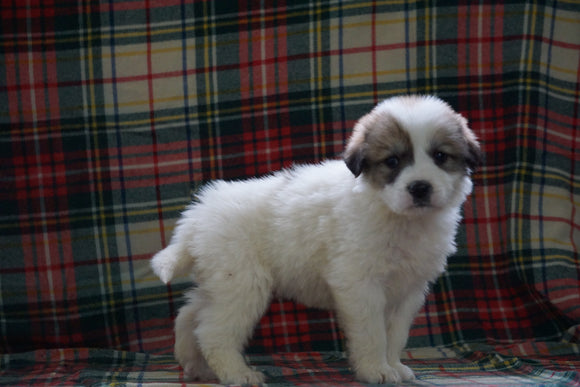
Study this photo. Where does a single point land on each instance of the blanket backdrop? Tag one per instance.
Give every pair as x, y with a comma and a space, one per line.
113, 112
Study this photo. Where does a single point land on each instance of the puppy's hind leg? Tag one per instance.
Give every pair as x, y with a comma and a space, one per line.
187, 351
236, 303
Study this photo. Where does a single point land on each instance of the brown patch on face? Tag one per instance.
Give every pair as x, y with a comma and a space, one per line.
447, 149
454, 147
379, 148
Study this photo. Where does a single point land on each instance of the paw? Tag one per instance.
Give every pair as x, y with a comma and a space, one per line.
194, 365
199, 372
404, 372
245, 377
189, 357
380, 374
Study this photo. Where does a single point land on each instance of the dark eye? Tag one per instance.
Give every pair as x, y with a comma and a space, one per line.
392, 162
440, 157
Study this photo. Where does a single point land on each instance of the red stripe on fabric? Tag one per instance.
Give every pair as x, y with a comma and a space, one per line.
272, 154
511, 216
270, 82
138, 5
34, 76
560, 292
39, 93
53, 95
246, 92
144, 182
374, 52
506, 216
49, 9
504, 39
61, 251
483, 48
37, 46
562, 123
30, 277
559, 131
257, 60
171, 149
282, 81
260, 72
56, 266
56, 239
151, 96
141, 164
481, 242
462, 34
12, 89
498, 31
282, 33
473, 48
23, 83
150, 76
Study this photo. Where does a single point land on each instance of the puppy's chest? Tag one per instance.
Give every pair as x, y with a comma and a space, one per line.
409, 257
399, 268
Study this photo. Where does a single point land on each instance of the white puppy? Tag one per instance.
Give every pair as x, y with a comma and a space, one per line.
363, 237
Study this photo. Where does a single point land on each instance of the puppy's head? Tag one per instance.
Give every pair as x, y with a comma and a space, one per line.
416, 151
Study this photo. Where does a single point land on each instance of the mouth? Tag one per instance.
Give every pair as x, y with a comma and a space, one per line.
420, 208
421, 203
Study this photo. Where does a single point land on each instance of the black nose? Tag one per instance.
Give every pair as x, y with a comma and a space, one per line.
420, 190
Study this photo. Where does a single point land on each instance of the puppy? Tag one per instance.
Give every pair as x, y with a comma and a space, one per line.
363, 236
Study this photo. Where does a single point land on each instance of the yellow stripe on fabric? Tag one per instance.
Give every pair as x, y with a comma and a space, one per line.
449, 309
519, 190
540, 83
90, 237
321, 121
101, 212
565, 198
504, 266
209, 95
105, 36
169, 31
552, 240
173, 30
52, 222
258, 106
427, 48
207, 79
94, 128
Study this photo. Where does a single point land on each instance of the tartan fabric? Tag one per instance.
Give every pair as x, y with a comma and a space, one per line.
112, 112
434, 366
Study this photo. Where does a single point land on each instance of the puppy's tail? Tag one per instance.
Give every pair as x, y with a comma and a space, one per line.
172, 260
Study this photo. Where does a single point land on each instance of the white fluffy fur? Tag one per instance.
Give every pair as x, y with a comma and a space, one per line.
318, 235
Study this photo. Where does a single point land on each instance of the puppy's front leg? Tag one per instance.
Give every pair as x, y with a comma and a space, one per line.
399, 322
360, 311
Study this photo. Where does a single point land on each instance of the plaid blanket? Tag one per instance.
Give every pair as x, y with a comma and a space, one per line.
464, 365
112, 112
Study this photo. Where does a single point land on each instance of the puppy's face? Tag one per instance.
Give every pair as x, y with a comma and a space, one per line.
417, 152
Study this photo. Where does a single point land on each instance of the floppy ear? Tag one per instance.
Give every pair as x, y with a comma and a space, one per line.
474, 156
354, 154
355, 162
